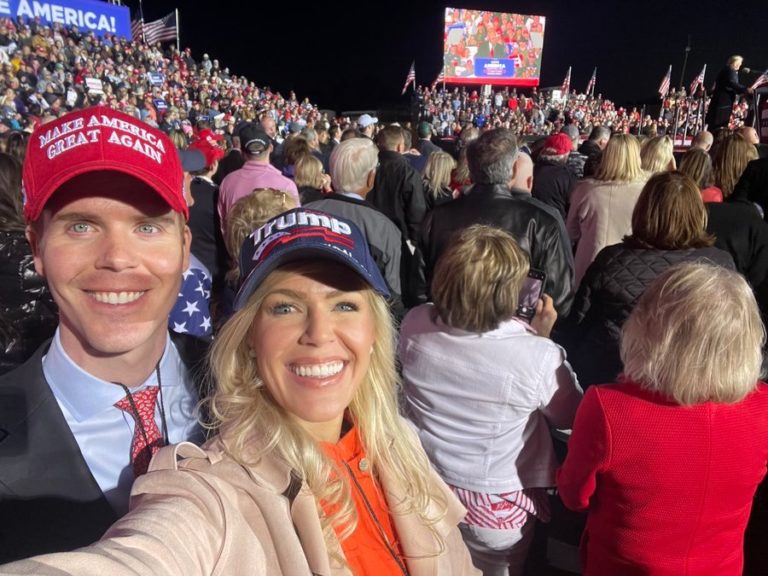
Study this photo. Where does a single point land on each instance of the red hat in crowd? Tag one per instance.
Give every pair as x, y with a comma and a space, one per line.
210, 136
100, 139
206, 143
558, 144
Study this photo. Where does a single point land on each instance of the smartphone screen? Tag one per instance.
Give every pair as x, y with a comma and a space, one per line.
533, 288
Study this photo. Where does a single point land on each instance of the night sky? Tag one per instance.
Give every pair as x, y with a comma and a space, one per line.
356, 56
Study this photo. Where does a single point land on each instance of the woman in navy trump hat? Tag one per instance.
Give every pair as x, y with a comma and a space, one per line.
312, 470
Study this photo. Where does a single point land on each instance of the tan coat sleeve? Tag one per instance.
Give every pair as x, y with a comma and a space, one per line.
177, 526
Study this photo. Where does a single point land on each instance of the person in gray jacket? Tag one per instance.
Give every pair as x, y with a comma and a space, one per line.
353, 171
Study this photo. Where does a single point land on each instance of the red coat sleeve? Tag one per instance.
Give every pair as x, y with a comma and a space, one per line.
589, 453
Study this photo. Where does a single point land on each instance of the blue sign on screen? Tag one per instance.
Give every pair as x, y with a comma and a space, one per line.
85, 15
494, 68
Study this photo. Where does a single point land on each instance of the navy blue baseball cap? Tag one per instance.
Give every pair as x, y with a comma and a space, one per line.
302, 234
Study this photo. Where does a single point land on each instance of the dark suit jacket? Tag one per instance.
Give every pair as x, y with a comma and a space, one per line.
726, 88
49, 500
207, 241
399, 193
427, 147
484, 50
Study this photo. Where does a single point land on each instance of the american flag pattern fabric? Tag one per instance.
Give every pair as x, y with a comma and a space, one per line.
592, 81
761, 80
410, 78
440, 78
137, 30
191, 313
664, 86
566, 82
698, 81
161, 30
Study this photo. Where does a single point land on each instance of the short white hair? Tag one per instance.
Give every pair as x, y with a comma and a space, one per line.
351, 162
695, 335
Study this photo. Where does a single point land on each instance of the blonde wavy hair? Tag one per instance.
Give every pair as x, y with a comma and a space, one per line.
438, 171
248, 214
695, 335
252, 424
477, 280
621, 160
308, 172
657, 155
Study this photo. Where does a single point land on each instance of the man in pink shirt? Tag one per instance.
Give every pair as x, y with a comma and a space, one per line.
256, 173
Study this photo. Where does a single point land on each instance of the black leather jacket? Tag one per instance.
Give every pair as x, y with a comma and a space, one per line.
537, 227
28, 315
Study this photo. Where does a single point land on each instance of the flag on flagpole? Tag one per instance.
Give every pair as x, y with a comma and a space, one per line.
699, 80
410, 78
440, 78
761, 80
591, 83
137, 30
161, 30
664, 86
566, 83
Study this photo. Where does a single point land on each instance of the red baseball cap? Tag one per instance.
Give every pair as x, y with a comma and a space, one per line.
559, 144
100, 139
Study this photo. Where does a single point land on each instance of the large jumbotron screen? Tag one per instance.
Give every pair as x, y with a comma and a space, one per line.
492, 47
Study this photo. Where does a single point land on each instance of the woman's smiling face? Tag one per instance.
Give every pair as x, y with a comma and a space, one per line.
312, 337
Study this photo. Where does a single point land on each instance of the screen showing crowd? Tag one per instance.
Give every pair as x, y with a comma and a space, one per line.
492, 47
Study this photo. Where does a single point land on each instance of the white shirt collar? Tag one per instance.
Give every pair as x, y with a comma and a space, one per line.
85, 395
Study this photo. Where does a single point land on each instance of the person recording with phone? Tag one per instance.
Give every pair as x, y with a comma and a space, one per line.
483, 386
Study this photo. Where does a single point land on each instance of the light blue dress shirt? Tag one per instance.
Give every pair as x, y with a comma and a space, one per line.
103, 432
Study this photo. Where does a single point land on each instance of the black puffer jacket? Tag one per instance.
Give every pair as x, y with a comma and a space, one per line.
28, 315
537, 227
609, 291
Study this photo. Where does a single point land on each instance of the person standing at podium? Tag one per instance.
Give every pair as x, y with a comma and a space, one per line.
727, 87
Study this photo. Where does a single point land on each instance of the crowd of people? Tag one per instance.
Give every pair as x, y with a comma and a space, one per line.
256, 338
49, 70
541, 113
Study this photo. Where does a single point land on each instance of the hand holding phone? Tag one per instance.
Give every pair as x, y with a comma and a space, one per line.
545, 317
530, 293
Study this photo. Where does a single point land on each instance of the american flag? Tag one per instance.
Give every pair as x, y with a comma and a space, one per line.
440, 78
137, 30
161, 30
410, 78
699, 80
761, 80
664, 86
566, 83
591, 83
191, 313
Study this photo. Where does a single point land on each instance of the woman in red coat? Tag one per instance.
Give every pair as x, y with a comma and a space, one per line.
666, 462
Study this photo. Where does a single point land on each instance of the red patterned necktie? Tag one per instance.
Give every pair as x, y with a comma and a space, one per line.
146, 435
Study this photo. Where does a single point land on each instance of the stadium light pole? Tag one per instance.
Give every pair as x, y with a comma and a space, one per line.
685, 61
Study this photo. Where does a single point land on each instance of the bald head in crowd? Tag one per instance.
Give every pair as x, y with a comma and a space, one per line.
703, 140
269, 126
523, 173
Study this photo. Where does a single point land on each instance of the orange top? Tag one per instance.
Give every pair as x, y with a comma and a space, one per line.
366, 550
